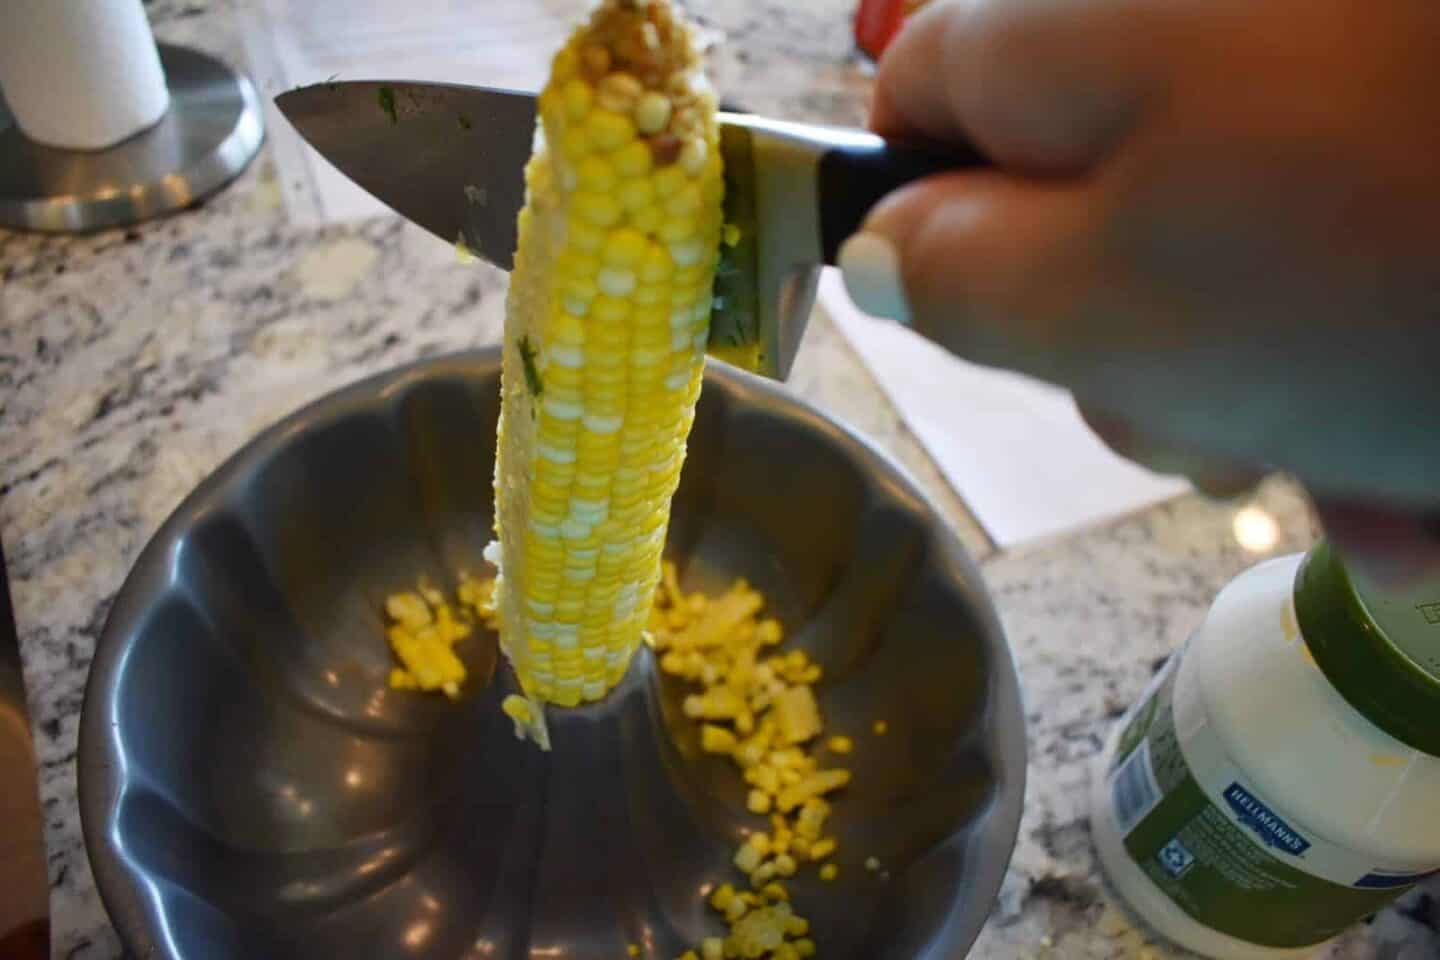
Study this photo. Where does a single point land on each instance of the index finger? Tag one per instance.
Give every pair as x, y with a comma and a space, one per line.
1041, 87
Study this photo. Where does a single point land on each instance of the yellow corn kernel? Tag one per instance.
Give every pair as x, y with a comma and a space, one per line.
763, 777
408, 609
715, 739
747, 858
881, 728
823, 848
817, 784
609, 130
762, 931
829, 872
798, 715
722, 896
840, 744
652, 112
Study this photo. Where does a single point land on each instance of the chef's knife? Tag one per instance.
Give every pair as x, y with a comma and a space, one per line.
451, 158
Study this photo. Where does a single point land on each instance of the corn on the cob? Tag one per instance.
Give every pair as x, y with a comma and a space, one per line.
605, 332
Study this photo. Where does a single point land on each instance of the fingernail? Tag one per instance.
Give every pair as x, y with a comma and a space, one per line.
871, 268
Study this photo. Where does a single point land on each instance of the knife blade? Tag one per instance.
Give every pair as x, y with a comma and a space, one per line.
25, 904
451, 158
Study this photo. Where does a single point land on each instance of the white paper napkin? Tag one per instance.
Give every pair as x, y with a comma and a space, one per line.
1015, 449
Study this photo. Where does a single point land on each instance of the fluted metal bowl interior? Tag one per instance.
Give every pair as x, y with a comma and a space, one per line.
251, 788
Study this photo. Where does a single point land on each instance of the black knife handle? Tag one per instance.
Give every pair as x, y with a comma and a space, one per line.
854, 177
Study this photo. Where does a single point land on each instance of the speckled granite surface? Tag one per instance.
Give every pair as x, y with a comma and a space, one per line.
132, 362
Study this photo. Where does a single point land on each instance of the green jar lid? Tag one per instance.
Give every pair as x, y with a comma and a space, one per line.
1379, 648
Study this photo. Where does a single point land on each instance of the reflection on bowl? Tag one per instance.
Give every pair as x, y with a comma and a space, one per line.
251, 787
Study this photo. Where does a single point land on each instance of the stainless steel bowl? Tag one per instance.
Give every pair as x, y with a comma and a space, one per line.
251, 788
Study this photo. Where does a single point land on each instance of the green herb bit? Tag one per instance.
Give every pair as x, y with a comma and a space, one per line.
532, 372
387, 103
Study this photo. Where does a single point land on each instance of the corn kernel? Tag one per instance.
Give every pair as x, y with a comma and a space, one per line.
692, 156
595, 59
747, 858
578, 96
840, 744
609, 129
597, 209
669, 182
619, 92
798, 715
881, 728
517, 708
758, 802
652, 113
408, 609
596, 174
814, 785
829, 872
625, 247
633, 160
715, 739
823, 848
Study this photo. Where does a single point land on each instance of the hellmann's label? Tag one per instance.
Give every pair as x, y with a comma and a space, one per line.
1223, 852
1262, 821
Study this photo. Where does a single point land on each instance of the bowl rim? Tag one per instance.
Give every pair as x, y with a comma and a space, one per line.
101, 762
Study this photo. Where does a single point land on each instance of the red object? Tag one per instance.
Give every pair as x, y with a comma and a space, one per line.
877, 22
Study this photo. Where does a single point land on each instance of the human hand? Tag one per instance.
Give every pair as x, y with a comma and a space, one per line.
1216, 221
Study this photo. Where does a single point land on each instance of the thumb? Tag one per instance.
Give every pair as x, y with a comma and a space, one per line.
998, 269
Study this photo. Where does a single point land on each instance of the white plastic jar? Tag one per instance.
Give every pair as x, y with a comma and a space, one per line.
1280, 778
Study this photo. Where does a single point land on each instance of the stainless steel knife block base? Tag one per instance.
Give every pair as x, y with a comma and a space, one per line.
209, 134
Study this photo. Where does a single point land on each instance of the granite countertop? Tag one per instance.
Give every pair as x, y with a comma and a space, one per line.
132, 362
